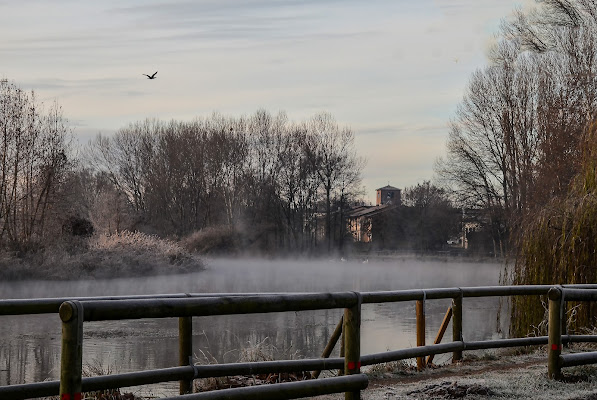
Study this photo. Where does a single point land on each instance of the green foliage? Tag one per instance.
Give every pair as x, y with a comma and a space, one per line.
558, 244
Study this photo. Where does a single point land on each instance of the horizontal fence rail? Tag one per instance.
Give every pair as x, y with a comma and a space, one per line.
579, 338
261, 367
573, 360
52, 304
30, 390
74, 311
103, 382
579, 294
225, 305
281, 391
447, 293
404, 354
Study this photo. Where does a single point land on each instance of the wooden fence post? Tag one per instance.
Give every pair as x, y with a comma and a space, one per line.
185, 350
352, 344
71, 359
342, 347
564, 332
554, 331
420, 308
457, 325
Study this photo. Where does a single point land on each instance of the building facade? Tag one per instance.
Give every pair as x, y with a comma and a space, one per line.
388, 195
360, 217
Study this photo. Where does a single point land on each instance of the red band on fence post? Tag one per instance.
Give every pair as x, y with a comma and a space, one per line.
352, 365
556, 347
67, 396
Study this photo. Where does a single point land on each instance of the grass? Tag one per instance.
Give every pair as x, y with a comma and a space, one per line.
505, 375
96, 368
390, 368
251, 352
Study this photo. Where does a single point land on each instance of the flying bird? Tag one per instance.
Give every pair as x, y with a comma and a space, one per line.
151, 76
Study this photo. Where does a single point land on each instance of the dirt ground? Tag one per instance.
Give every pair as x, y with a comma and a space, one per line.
485, 377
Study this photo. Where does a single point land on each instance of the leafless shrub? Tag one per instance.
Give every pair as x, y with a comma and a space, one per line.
214, 240
104, 256
249, 352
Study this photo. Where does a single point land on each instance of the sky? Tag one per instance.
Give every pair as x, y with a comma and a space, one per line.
394, 71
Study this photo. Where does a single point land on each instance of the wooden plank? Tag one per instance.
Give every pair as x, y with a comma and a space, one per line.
330, 346
440, 333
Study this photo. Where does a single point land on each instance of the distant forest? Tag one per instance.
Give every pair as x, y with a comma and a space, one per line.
257, 181
221, 184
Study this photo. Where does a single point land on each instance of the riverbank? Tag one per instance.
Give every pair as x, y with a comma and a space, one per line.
453, 255
489, 377
119, 255
493, 377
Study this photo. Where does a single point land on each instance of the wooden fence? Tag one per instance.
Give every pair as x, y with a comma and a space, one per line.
558, 296
74, 312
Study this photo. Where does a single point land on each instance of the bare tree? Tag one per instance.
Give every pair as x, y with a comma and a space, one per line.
330, 150
126, 157
492, 146
34, 152
110, 211
258, 175
429, 218
514, 143
298, 185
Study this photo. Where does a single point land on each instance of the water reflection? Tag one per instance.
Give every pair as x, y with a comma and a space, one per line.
30, 345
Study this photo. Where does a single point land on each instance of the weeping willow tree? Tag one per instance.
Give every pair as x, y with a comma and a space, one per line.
559, 245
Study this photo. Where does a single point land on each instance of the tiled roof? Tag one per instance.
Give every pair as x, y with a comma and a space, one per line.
367, 210
388, 187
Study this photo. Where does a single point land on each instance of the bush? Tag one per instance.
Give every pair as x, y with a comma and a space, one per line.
105, 256
214, 240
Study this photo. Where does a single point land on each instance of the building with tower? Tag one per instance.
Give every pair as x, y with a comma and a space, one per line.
360, 217
388, 195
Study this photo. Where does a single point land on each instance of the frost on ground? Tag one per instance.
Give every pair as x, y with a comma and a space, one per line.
503, 377
451, 390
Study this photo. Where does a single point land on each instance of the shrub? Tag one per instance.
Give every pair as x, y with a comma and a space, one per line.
105, 256
214, 240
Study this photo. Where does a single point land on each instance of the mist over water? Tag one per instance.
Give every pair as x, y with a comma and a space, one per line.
124, 346
257, 275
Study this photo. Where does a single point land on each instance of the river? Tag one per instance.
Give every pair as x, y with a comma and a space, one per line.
30, 345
